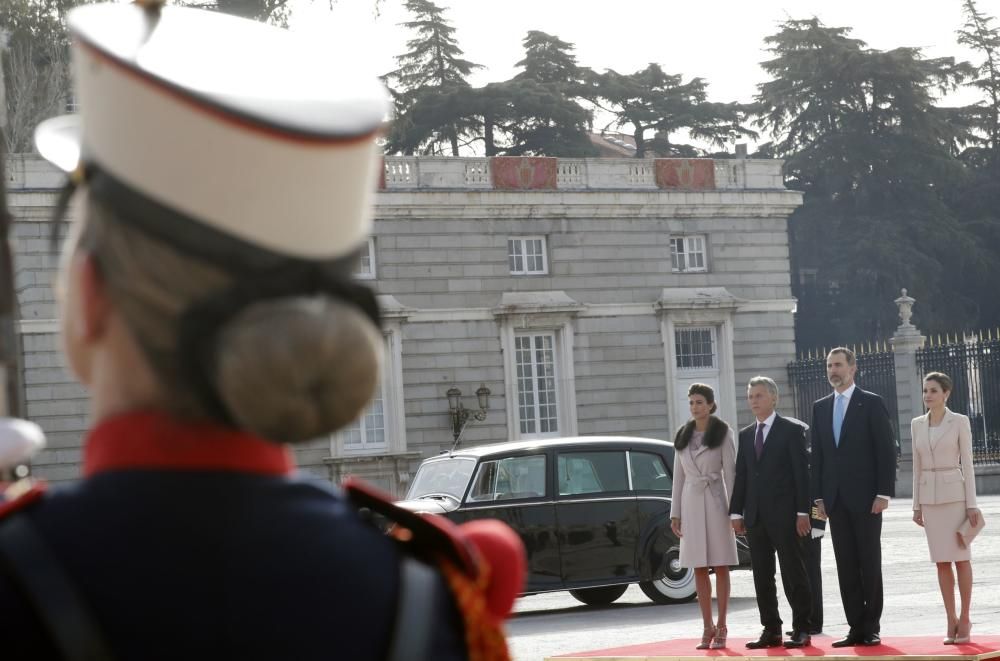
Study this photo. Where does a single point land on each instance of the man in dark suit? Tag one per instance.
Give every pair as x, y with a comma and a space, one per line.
770, 503
853, 466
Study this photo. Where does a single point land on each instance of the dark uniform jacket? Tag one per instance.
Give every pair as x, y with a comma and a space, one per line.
193, 542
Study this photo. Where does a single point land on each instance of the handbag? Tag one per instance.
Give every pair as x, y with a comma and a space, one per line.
967, 532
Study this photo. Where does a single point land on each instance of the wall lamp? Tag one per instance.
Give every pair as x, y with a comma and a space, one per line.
460, 415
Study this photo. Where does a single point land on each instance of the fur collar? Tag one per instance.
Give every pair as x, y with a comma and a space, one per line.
714, 435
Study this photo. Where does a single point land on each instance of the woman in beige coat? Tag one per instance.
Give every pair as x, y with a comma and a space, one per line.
704, 465
944, 496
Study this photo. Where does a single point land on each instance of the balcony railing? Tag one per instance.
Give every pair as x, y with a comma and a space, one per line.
422, 172
29, 172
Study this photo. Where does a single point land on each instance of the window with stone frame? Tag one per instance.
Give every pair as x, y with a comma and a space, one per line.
694, 348
368, 431
537, 400
526, 255
366, 261
380, 429
536, 342
688, 254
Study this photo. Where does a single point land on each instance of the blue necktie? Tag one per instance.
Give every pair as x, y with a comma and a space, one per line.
838, 418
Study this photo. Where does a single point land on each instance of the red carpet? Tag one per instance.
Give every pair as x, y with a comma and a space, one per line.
911, 648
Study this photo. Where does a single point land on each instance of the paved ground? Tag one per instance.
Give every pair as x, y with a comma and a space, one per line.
556, 623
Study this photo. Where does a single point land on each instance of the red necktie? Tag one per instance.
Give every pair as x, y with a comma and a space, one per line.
758, 442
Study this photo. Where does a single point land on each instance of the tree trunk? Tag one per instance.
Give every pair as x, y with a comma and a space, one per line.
491, 148
640, 144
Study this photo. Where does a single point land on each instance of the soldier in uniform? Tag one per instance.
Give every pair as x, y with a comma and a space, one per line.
224, 176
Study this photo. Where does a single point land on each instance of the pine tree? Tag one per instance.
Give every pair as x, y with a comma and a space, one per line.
875, 156
429, 86
653, 100
546, 120
977, 203
981, 36
550, 60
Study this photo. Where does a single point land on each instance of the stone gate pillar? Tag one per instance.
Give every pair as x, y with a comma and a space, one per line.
909, 392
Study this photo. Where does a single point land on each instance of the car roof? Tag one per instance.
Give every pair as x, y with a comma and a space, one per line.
545, 443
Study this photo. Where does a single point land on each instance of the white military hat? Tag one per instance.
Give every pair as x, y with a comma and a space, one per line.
223, 126
19, 441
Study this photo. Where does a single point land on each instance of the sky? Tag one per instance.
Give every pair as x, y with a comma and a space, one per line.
719, 40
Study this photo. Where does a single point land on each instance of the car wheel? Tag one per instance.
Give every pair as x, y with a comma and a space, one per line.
599, 596
677, 585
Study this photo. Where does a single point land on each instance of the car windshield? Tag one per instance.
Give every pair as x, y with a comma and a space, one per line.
442, 476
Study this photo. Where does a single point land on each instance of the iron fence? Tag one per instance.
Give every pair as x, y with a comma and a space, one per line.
973, 363
876, 373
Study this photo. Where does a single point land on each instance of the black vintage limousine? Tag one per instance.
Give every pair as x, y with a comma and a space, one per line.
594, 512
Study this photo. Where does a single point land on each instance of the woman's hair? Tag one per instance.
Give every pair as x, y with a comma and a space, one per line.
942, 379
705, 391
286, 369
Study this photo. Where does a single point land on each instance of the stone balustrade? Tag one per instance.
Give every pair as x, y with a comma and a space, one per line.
421, 172
29, 172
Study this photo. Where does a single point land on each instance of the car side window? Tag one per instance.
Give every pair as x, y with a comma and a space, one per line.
509, 478
649, 473
591, 472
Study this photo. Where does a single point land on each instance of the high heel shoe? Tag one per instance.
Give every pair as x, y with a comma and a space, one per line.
949, 638
963, 634
719, 639
706, 638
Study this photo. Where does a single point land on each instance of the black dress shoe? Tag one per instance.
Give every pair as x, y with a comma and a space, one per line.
813, 631
850, 640
799, 639
767, 639
870, 640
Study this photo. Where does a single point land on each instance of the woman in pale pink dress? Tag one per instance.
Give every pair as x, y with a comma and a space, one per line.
704, 466
944, 497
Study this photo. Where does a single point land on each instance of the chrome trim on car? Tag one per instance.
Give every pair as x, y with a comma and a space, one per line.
628, 468
493, 504
521, 503
595, 500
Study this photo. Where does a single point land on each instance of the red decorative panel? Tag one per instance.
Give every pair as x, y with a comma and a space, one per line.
685, 173
523, 172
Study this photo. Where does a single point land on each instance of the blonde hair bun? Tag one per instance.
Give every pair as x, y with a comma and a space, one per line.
297, 368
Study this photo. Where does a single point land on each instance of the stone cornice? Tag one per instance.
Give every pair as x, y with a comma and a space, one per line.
585, 204
372, 457
537, 302
438, 315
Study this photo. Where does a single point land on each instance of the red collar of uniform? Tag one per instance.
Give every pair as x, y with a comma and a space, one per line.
154, 440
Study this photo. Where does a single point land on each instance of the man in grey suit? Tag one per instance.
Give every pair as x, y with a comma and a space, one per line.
853, 464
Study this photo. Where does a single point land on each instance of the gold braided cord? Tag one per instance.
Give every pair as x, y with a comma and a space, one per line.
484, 638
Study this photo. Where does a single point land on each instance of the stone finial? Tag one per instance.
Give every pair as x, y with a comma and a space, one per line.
905, 304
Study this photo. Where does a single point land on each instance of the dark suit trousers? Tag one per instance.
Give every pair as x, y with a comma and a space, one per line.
858, 548
766, 541
814, 564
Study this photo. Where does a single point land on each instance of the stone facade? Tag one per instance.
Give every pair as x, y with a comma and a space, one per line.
592, 297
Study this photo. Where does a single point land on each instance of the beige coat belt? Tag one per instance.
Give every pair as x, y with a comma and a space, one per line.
713, 482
